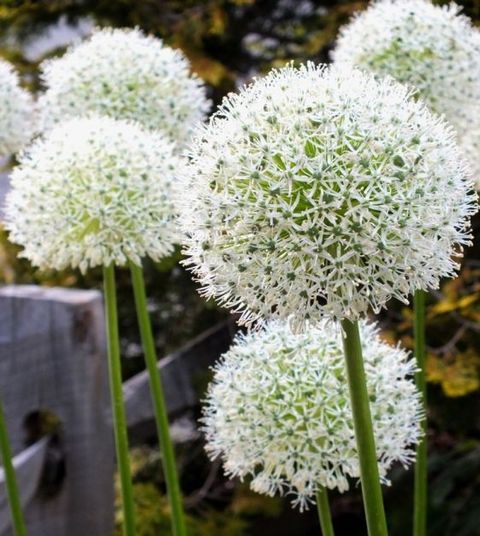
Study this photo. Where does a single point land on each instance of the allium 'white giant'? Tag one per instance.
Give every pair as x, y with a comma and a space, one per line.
320, 191
126, 75
16, 112
278, 409
94, 191
433, 48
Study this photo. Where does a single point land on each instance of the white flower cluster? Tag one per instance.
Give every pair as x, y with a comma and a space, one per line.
433, 48
16, 112
94, 191
278, 409
125, 74
320, 191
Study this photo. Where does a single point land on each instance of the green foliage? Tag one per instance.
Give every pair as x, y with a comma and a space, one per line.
248, 504
153, 512
153, 516
455, 496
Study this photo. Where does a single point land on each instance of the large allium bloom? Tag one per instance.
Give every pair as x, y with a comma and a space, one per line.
94, 191
126, 75
433, 48
278, 409
16, 112
320, 191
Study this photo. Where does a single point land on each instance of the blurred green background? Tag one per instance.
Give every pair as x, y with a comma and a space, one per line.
228, 42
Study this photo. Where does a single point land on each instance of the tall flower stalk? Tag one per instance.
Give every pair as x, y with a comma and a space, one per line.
18, 522
118, 409
99, 192
159, 404
309, 195
420, 482
362, 420
324, 515
16, 128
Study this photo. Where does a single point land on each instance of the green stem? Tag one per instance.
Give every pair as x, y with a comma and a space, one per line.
118, 409
18, 522
324, 513
420, 486
362, 419
158, 399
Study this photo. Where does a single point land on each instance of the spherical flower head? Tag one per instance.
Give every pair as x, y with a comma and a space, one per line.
278, 409
16, 112
94, 191
125, 74
320, 191
433, 48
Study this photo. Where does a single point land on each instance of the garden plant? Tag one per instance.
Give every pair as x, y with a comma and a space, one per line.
436, 50
314, 197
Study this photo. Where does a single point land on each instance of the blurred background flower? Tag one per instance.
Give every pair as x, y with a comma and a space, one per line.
434, 49
16, 112
124, 74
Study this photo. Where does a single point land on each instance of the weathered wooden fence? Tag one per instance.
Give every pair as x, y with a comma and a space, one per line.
52, 358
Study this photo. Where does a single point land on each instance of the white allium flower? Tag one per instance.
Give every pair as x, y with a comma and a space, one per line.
320, 191
433, 48
278, 409
16, 112
94, 191
126, 75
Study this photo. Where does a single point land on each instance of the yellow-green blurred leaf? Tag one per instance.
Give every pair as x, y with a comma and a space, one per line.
448, 305
458, 377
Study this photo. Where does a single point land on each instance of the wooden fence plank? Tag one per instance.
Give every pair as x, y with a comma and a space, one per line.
179, 372
28, 465
52, 357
